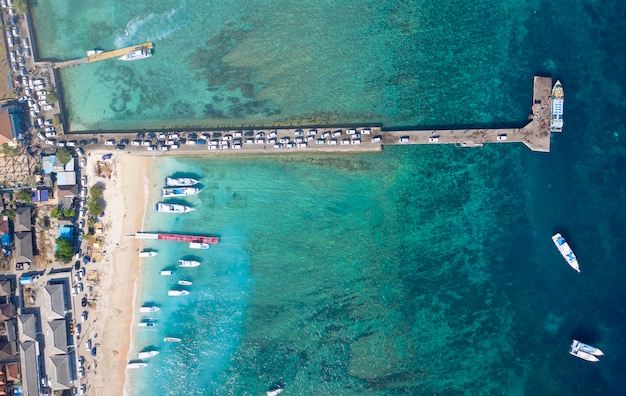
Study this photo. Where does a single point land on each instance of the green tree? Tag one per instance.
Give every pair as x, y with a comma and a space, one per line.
10, 214
68, 213
20, 6
9, 151
95, 191
63, 156
55, 213
24, 195
65, 250
51, 97
94, 207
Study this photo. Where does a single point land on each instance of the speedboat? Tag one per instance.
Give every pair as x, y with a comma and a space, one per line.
185, 283
132, 365
177, 293
587, 348
147, 253
180, 181
147, 354
173, 208
565, 251
199, 245
583, 355
188, 263
151, 308
166, 273
147, 324
178, 191
171, 339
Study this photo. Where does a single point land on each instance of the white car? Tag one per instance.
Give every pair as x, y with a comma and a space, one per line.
109, 142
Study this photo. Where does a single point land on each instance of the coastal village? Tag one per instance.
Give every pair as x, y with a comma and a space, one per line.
51, 216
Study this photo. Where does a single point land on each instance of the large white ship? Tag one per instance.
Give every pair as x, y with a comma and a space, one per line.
565, 251
173, 208
556, 110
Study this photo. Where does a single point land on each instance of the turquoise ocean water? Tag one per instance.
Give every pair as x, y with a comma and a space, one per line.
420, 270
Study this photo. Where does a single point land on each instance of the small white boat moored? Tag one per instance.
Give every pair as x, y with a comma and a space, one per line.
188, 263
198, 245
166, 273
147, 253
147, 354
177, 293
565, 251
133, 365
148, 309
583, 355
185, 283
180, 181
587, 348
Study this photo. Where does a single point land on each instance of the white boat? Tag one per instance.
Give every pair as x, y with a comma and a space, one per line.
94, 52
136, 55
565, 251
556, 109
583, 355
171, 339
147, 253
147, 324
198, 245
178, 191
180, 181
166, 273
132, 365
587, 348
150, 308
185, 283
147, 354
273, 392
172, 208
177, 293
188, 263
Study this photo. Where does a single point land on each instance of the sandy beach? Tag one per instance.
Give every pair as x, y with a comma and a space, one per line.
111, 318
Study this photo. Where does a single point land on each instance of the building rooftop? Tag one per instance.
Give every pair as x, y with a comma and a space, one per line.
55, 298
6, 288
23, 220
23, 247
27, 326
61, 375
66, 178
59, 335
30, 368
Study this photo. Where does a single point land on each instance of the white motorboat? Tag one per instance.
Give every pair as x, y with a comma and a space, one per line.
173, 208
147, 354
198, 245
166, 273
565, 251
185, 283
133, 365
136, 55
583, 355
147, 253
180, 181
177, 293
148, 309
188, 263
587, 348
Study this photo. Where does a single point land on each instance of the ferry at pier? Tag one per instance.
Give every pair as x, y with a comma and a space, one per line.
180, 181
151, 308
188, 263
583, 355
178, 191
556, 114
147, 354
565, 251
173, 208
136, 55
587, 348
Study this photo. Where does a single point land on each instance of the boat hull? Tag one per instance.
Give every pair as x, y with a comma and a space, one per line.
567, 253
583, 355
587, 348
556, 108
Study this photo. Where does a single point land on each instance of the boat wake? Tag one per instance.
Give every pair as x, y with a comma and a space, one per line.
152, 27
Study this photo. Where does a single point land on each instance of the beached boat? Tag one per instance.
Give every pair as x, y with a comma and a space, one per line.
177, 293
587, 348
178, 191
149, 308
188, 263
147, 324
172, 208
171, 339
583, 355
198, 245
185, 283
565, 251
180, 181
166, 273
133, 365
556, 113
147, 354
147, 253
136, 55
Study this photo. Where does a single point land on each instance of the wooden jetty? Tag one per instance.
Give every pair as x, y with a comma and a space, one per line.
102, 55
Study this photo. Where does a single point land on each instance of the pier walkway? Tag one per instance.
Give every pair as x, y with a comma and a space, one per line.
102, 56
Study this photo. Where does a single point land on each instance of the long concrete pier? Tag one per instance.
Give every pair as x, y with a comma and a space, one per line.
338, 139
95, 57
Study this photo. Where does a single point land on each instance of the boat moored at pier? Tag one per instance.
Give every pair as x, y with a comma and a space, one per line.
556, 110
180, 181
136, 55
565, 251
173, 208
